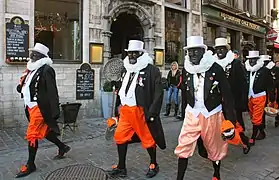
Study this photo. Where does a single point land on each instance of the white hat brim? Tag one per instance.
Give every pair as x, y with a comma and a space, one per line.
139, 50
195, 46
252, 57
37, 50
227, 45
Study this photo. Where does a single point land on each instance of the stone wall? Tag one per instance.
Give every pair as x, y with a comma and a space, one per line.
11, 105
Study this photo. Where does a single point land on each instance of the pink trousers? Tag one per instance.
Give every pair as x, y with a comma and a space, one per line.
210, 131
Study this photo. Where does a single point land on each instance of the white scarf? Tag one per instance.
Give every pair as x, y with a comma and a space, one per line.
254, 68
142, 62
270, 65
205, 64
39, 63
226, 61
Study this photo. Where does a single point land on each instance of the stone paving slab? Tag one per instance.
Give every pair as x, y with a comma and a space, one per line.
261, 163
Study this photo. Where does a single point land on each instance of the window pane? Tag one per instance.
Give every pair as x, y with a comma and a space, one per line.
177, 2
175, 23
57, 25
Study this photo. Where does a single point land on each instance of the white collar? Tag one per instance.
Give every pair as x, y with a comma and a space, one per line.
226, 61
205, 64
270, 65
39, 63
254, 68
142, 62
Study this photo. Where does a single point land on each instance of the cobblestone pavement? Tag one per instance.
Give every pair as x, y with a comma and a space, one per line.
88, 146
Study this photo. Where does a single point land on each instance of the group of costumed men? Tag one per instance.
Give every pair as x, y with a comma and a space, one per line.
216, 90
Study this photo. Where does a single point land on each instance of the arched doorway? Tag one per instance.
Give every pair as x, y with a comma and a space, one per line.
124, 28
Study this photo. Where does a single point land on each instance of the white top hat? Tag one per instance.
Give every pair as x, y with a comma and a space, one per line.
135, 45
221, 42
40, 48
194, 42
265, 57
253, 54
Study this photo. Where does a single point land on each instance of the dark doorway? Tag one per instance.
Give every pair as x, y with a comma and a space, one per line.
124, 28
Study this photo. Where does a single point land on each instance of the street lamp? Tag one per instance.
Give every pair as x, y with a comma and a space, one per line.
246, 13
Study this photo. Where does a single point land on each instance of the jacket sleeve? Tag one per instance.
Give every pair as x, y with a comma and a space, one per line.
52, 92
155, 107
241, 86
227, 96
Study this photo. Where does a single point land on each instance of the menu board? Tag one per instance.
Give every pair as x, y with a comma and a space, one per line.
85, 82
17, 40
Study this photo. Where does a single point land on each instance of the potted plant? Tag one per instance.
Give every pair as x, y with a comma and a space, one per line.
107, 99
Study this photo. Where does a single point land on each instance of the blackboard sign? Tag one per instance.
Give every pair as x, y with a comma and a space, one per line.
17, 40
85, 82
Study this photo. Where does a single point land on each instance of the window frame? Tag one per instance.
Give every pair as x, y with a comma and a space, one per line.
65, 61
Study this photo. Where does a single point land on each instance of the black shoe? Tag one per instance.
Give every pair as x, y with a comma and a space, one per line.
26, 170
276, 124
62, 152
116, 172
261, 135
246, 149
252, 142
152, 170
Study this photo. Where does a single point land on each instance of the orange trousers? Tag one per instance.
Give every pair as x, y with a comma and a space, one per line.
131, 121
37, 128
256, 109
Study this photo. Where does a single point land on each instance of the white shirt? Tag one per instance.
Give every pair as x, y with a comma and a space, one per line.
199, 106
251, 92
26, 91
128, 99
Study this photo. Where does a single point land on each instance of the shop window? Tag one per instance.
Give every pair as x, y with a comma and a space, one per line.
211, 34
175, 35
177, 2
58, 26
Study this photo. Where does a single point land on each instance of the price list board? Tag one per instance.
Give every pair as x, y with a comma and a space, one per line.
17, 40
85, 82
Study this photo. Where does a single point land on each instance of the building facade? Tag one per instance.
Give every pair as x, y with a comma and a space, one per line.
243, 22
274, 44
87, 31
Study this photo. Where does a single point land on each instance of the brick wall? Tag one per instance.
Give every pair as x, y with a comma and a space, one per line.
11, 105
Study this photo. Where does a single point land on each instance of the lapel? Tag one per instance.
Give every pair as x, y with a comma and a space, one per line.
190, 83
248, 77
208, 81
37, 75
258, 74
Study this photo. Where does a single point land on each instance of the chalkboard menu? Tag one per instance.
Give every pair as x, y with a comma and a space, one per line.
85, 82
17, 40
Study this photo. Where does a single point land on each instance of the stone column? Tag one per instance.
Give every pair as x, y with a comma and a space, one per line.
221, 32
251, 38
149, 43
205, 34
238, 41
106, 38
85, 34
2, 21
262, 46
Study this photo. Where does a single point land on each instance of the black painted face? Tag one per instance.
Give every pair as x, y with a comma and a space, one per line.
221, 51
195, 55
133, 56
253, 61
35, 56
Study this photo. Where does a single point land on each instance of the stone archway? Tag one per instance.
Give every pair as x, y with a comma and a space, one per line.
142, 15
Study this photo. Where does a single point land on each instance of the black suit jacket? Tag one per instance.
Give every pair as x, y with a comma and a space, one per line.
213, 96
150, 97
275, 77
263, 82
43, 89
237, 78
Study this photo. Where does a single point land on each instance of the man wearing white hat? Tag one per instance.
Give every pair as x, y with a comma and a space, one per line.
235, 74
207, 95
140, 99
260, 85
38, 89
270, 65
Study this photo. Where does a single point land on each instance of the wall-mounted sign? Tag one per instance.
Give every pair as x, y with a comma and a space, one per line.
230, 18
85, 82
17, 40
272, 35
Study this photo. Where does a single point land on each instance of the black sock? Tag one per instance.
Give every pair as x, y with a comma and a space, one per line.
182, 166
122, 151
51, 136
216, 166
152, 153
244, 138
32, 149
255, 132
